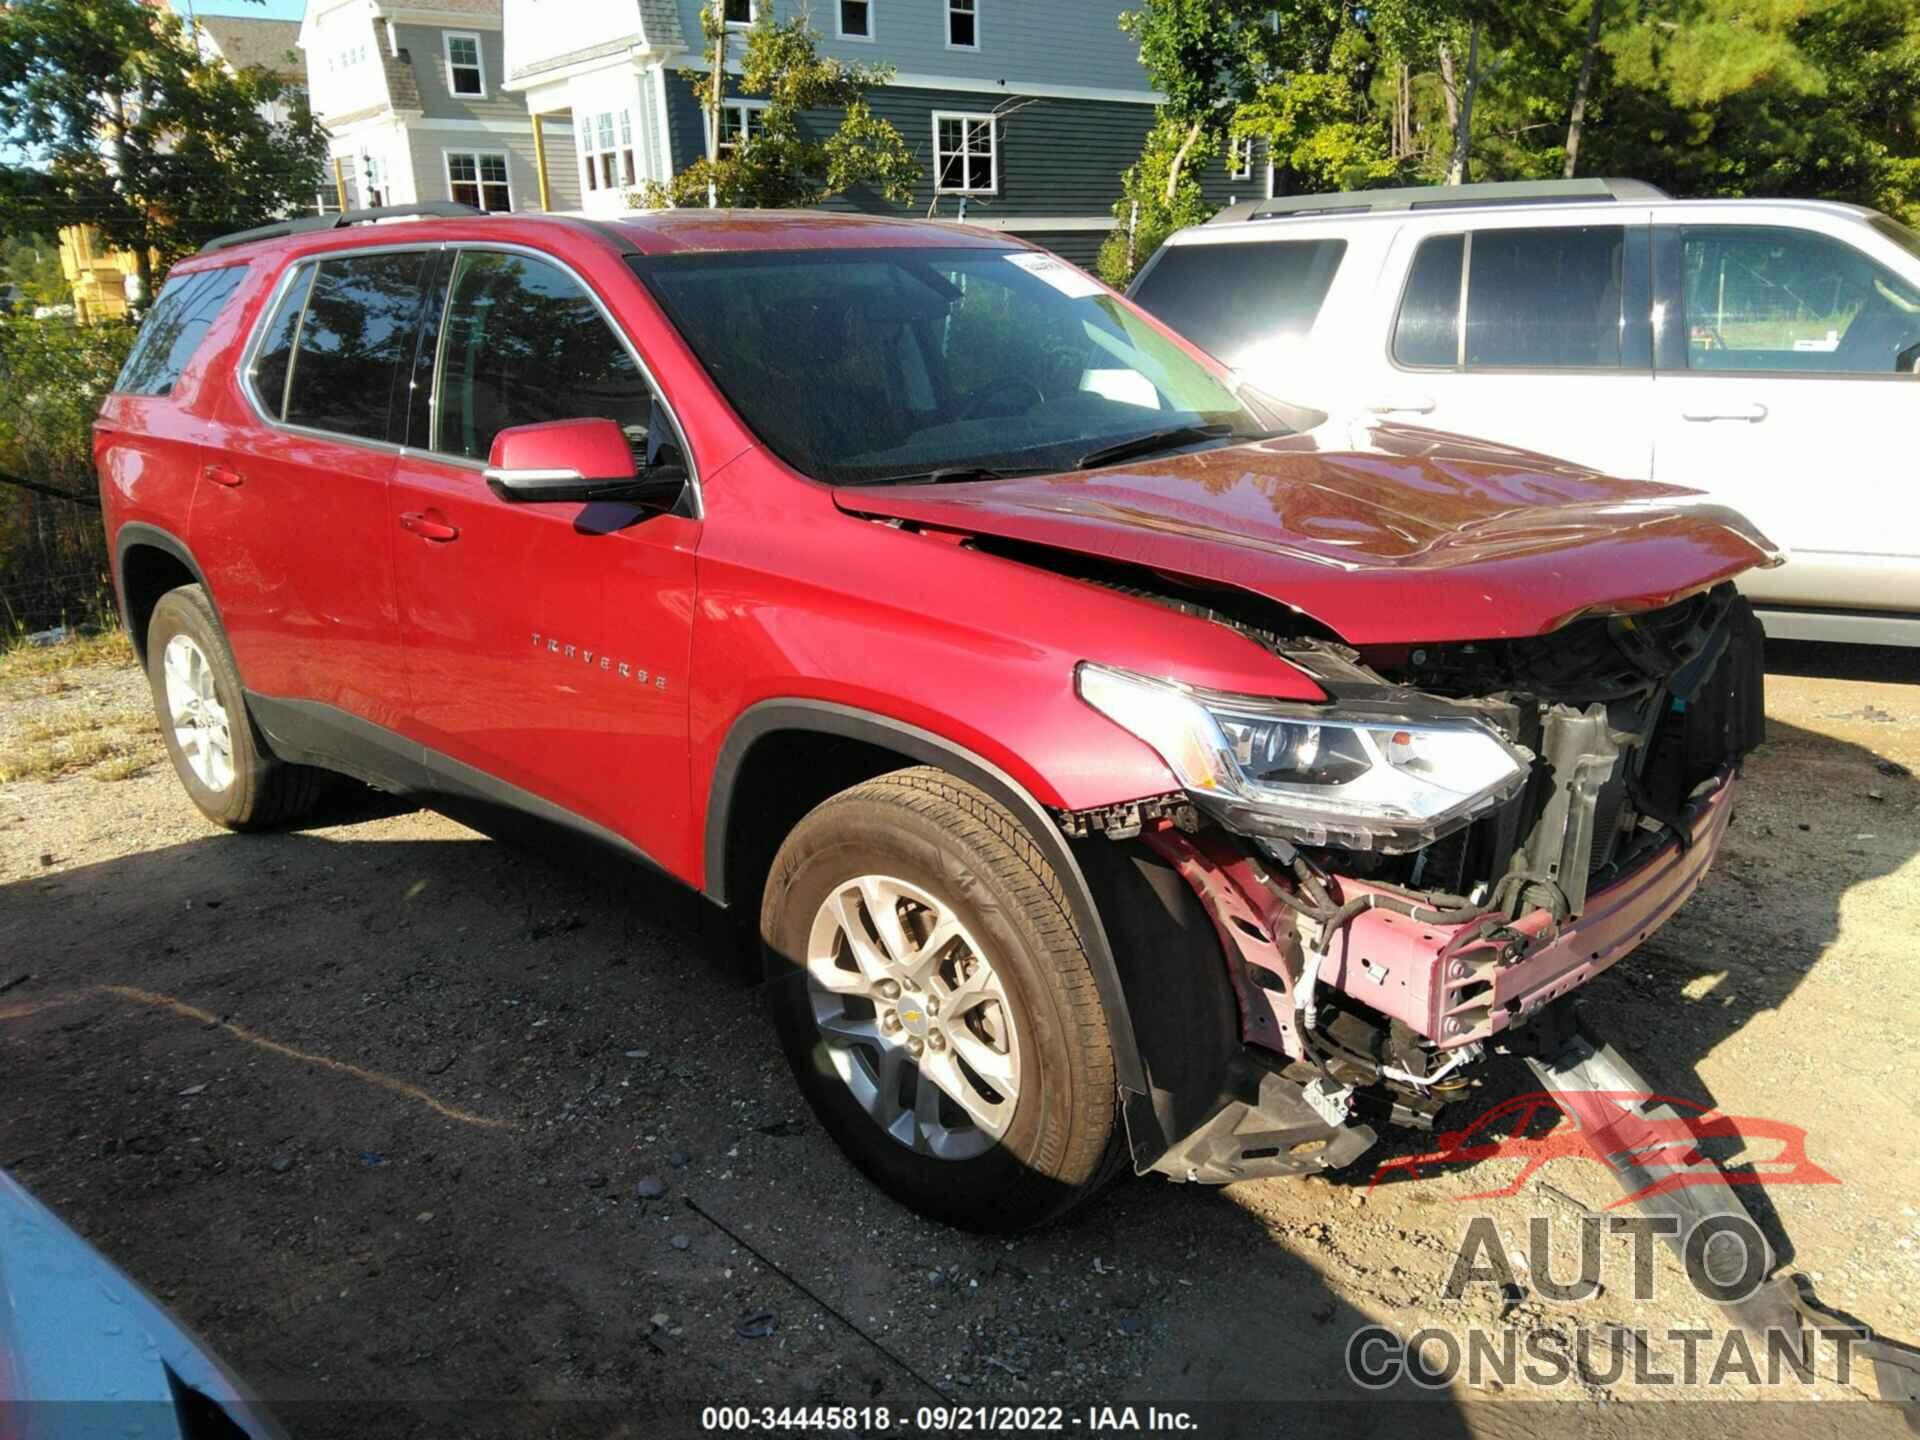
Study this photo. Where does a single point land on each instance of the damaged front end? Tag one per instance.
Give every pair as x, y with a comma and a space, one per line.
1460, 835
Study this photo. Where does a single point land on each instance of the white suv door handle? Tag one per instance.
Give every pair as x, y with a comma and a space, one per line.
1752, 414
1404, 405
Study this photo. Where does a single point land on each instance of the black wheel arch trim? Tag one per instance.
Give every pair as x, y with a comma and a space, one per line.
771, 717
137, 533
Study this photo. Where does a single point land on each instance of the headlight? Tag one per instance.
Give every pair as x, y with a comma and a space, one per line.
1319, 775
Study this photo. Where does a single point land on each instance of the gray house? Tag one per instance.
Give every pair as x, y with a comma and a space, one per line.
413, 105
1023, 113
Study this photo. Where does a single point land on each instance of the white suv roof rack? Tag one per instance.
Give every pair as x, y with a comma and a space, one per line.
1442, 197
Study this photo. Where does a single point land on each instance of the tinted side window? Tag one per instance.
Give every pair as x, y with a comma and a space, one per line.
274, 358
1232, 300
355, 339
1545, 299
174, 328
1427, 329
524, 343
1793, 302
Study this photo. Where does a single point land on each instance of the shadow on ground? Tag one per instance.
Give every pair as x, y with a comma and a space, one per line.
369, 1105
371, 1113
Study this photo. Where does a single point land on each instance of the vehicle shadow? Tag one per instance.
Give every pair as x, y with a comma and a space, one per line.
370, 1105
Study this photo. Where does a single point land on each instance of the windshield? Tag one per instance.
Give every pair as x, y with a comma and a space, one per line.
864, 365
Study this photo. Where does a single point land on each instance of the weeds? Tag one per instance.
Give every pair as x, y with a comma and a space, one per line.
109, 744
104, 647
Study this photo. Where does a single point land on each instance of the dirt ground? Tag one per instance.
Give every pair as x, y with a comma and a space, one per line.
398, 1116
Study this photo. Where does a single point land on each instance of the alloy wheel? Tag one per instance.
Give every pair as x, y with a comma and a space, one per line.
916, 1021
200, 723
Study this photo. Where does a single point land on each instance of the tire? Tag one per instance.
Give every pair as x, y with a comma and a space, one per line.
219, 753
1026, 1026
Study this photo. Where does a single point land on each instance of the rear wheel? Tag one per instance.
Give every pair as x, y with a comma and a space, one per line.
933, 997
218, 753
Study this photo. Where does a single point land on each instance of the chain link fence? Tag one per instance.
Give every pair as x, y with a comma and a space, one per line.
53, 556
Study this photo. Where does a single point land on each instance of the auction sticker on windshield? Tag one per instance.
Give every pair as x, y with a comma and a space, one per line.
1070, 280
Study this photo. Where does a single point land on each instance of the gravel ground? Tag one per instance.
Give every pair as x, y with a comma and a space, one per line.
394, 1113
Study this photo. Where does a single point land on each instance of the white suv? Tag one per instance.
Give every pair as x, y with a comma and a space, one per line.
1763, 350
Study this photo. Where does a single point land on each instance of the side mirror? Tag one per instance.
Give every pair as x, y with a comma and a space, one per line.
1907, 362
575, 460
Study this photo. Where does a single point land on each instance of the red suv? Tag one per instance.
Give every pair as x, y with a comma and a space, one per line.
1115, 765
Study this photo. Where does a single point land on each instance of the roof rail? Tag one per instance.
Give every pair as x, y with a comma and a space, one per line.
446, 209
1442, 197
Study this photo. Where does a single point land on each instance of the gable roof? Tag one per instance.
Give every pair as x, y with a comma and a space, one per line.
660, 19
243, 41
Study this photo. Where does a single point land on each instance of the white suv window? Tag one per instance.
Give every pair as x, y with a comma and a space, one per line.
1537, 299
1789, 301
1237, 301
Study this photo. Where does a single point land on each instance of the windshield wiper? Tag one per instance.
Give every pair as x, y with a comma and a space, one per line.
947, 475
1153, 441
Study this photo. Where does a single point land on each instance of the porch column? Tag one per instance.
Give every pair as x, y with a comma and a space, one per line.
540, 162
340, 182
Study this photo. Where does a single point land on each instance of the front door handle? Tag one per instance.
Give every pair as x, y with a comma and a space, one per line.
222, 475
429, 525
1404, 405
1752, 414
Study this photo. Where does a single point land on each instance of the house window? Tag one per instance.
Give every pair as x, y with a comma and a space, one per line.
740, 122
606, 149
479, 178
963, 24
856, 19
966, 154
740, 13
465, 74
1240, 159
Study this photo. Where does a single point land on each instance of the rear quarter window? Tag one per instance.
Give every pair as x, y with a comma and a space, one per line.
1235, 300
354, 341
172, 332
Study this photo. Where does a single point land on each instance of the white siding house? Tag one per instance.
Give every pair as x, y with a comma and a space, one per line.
412, 101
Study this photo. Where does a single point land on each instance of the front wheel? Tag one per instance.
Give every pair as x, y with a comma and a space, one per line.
934, 999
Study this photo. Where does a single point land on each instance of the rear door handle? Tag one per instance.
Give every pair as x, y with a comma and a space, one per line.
1404, 405
428, 525
221, 475
1752, 414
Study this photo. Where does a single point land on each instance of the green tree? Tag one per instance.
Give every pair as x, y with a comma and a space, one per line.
1313, 105
32, 262
130, 129
1205, 57
1815, 98
1144, 215
783, 164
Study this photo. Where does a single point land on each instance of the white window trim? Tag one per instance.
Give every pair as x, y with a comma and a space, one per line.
753, 16
946, 19
446, 171
371, 172
1240, 159
626, 151
749, 127
866, 39
447, 37
993, 150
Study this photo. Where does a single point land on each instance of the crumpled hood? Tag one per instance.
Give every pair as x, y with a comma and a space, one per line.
1419, 537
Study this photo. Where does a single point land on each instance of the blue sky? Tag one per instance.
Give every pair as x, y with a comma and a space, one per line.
271, 10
